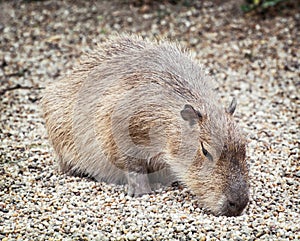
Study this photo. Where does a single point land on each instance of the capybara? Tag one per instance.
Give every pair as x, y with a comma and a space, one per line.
140, 112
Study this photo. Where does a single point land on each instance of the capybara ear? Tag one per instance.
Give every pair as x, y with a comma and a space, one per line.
190, 114
230, 110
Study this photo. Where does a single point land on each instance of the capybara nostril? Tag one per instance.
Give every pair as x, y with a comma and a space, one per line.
232, 206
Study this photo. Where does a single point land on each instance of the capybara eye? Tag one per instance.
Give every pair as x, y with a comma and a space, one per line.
206, 153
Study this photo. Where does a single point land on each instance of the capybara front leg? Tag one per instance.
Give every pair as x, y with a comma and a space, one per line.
138, 184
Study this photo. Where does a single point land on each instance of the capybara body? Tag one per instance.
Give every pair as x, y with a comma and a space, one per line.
138, 112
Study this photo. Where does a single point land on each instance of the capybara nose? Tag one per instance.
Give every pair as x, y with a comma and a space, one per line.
236, 205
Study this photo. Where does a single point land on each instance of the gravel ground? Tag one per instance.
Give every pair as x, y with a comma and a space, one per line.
254, 57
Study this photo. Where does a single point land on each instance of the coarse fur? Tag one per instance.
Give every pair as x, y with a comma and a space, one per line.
136, 111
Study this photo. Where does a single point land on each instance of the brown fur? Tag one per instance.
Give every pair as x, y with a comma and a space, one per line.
135, 111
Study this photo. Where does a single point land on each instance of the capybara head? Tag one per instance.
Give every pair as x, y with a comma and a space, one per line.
219, 173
